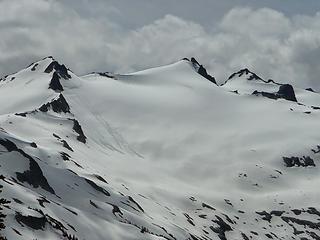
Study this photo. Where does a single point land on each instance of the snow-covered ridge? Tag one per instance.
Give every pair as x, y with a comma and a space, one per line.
162, 153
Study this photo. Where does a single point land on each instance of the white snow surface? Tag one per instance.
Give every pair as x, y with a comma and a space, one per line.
167, 154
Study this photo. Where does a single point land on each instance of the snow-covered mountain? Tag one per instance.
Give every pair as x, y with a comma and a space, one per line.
163, 153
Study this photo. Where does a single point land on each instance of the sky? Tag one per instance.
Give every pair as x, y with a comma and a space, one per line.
276, 39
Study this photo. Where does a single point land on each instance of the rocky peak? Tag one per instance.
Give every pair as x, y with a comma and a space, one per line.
60, 71
201, 70
245, 71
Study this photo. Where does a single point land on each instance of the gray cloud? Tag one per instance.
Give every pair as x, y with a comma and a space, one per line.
98, 36
265, 40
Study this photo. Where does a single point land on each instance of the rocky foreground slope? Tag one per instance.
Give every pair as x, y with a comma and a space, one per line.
163, 153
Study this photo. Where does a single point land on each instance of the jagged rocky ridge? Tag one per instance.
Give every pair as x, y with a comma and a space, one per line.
201, 70
285, 91
78, 163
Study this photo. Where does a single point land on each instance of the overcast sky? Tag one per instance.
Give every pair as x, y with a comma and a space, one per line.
278, 39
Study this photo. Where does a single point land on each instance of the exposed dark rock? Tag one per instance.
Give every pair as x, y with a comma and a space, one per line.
228, 202
299, 162
165, 230
34, 67
56, 136
65, 156
96, 187
59, 69
266, 94
116, 209
229, 219
268, 236
17, 200
55, 83
60, 227
77, 164
57, 105
39, 223
193, 199
78, 129
203, 72
313, 235
73, 228
266, 216
10, 146
3, 204
204, 205
312, 210
189, 219
310, 89
33, 144
132, 200
42, 200
107, 74
273, 234
24, 114
296, 211
93, 204
254, 77
194, 237
246, 71
193, 60
69, 210
272, 81
51, 57
66, 145
286, 91
100, 178
222, 228
206, 232
16, 231
35, 223
34, 175
277, 213
244, 236
302, 222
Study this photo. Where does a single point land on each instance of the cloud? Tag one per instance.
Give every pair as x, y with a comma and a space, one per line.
166, 40
265, 40
32, 29
276, 46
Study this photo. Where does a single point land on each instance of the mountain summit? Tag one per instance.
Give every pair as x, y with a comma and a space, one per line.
163, 153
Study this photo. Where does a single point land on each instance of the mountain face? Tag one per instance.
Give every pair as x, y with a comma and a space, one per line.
157, 154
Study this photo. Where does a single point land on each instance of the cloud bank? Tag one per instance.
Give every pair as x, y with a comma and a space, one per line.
286, 49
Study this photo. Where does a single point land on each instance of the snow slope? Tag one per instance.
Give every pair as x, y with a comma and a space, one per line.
159, 154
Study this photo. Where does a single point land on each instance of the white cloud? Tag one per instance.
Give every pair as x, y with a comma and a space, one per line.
265, 40
166, 40
270, 43
259, 23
